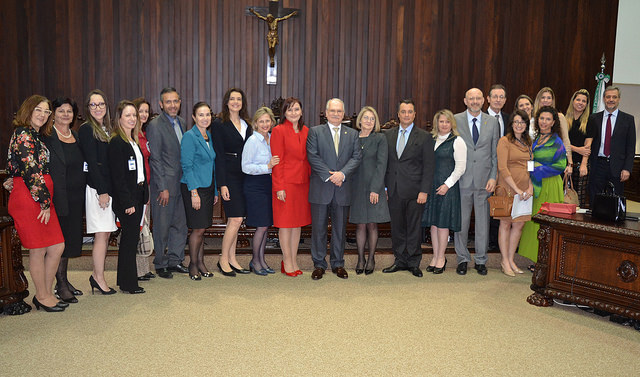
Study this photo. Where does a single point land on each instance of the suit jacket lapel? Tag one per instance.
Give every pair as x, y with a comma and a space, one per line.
409, 141
56, 145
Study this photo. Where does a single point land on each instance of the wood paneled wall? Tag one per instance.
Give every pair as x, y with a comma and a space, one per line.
371, 52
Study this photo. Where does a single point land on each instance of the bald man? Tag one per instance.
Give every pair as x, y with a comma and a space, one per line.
480, 132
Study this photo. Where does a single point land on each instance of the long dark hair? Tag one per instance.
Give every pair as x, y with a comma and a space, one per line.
244, 113
286, 105
525, 135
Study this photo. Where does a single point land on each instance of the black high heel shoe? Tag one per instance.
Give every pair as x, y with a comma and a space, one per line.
195, 277
239, 270
360, 267
206, 274
430, 268
437, 270
50, 309
368, 270
94, 284
226, 273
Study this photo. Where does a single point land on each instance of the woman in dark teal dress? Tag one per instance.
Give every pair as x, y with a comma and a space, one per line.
442, 211
369, 201
550, 160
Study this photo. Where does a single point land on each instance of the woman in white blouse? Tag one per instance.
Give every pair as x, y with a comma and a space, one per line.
257, 163
442, 212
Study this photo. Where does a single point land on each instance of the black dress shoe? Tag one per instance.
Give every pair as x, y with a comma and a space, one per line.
481, 268
462, 268
179, 268
226, 273
317, 273
150, 275
134, 291
143, 278
415, 271
239, 270
164, 273
393, 268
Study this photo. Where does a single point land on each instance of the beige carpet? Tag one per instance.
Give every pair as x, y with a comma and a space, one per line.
376, 325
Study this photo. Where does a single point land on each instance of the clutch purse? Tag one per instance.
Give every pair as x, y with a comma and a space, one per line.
570, 195
561, 208
609, 206
500, 203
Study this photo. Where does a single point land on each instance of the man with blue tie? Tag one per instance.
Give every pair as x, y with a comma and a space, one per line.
613, 146
408, 179
480, 132
334, 153
164, 134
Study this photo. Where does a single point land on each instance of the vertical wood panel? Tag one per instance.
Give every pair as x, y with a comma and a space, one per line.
367, 52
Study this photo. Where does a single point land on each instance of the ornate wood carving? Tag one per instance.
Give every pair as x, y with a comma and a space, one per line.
627, 271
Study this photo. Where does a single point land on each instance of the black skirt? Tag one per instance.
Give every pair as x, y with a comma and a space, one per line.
235, 207
257, 191
202, 218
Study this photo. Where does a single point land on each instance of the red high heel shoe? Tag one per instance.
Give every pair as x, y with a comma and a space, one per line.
292, 274
298, 272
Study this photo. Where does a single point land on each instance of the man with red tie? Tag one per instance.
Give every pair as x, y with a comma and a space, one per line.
613, 146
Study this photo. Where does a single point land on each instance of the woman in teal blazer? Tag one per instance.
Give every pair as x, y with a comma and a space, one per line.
198, 185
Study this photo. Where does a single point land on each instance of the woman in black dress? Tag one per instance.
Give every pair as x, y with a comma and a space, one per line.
69, 180
229, 135
581, 134
130, 190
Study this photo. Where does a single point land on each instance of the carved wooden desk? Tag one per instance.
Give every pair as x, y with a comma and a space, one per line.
13, 283
588, 262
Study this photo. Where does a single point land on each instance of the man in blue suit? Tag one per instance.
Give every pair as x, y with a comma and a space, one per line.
334, 154
167, 211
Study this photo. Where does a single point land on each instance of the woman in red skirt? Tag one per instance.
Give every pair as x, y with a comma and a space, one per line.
30, 200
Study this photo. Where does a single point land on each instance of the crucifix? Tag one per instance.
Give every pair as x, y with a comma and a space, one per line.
275, 13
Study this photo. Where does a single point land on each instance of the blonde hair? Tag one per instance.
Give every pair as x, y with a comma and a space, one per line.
449, 115
259, 113
117, 129
536, 104
585, 114
376, 126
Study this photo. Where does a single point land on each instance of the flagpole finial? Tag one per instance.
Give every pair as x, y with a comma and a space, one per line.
602, 61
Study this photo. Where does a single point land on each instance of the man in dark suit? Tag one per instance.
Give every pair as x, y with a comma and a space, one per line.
496, 99
334, 153
164, 134
408, 178
480, 133
613, 146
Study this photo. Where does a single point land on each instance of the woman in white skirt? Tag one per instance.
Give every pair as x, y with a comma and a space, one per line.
94, 139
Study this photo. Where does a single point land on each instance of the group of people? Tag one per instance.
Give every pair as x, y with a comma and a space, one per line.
135, 169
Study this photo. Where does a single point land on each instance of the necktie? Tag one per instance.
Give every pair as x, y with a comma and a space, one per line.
178, 131
500, 124
476, 134
336, 140
402, 143
607, 137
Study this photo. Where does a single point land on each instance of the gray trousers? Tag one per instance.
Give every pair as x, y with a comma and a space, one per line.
169, 231
477, 200
320, 214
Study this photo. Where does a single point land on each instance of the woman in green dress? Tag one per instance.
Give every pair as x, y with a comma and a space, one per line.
550, 160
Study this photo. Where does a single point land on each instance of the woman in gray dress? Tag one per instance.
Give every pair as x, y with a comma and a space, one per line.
369, 200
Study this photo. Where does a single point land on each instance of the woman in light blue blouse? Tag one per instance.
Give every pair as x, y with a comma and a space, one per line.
257, 163
198, 186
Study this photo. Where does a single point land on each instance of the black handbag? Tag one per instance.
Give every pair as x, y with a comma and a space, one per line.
609, 206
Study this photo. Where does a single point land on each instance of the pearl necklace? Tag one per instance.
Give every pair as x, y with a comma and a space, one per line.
64, 136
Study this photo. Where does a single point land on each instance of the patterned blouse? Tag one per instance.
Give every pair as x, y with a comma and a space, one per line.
29, 159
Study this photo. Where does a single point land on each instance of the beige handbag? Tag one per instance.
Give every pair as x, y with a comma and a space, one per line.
500, 203
570, 195
145, 244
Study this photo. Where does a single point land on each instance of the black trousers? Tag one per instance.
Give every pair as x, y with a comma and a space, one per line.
127, 278
406, 230
600, 176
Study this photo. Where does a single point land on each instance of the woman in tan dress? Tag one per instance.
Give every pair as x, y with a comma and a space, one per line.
514, 152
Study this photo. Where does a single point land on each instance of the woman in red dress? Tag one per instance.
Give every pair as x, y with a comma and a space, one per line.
30, 204
290, 179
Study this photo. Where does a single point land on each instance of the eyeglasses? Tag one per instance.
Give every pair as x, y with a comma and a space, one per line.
368, 118
39, 110
100, 105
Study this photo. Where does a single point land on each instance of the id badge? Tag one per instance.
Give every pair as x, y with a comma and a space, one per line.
85, 167
529, 165
132, 163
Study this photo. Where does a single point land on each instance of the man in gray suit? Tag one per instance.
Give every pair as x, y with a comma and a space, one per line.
480, 132
334, 153
167, 211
